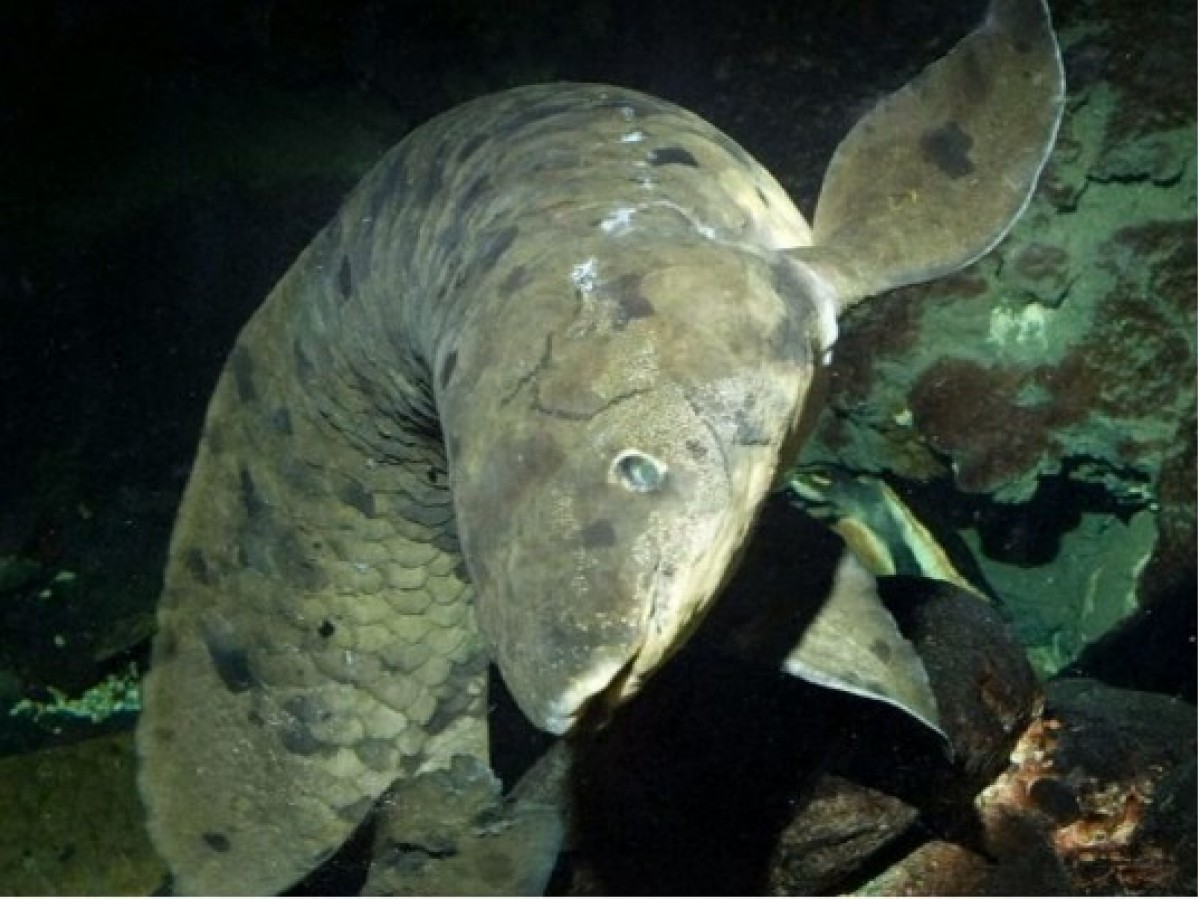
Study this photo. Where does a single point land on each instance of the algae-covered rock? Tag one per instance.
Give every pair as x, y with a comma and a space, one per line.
72, 823
1061, 607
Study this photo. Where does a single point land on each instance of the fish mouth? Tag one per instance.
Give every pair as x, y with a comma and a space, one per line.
583, 705
591, 699
673, 598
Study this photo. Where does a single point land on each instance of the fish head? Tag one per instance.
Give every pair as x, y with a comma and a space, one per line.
621, 427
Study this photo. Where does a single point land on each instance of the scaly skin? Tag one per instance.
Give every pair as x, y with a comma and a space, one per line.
317, 635
558, 346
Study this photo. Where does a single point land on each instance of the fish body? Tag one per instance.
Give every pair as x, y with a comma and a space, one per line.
535, 376
520, 401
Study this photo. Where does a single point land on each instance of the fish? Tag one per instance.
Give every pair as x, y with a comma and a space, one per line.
882, 532
519, 403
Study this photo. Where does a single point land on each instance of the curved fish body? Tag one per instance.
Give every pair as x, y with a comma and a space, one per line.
519, 401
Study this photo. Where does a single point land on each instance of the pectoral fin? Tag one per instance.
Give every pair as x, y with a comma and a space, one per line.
935, 175
853, 645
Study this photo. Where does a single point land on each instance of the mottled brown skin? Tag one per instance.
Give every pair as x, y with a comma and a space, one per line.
318, 634
520, 400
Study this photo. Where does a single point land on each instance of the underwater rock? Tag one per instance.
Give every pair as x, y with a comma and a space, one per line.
1150, 648
1084, 592
1099, 798
1108, 777
932, 869
453, 833
986, 690
843, 823
72, 823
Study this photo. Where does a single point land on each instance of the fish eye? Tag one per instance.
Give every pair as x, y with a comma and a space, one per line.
639, 472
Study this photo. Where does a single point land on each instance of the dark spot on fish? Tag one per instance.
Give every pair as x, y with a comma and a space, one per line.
514, 281
948, 148
460, 571
356, 496
345, 279
299, 740
762, 198
496, 245
445, 540
749, 428
197, 566
375, 753
290, 562
672, 156
306, 709
241, 365
231, 663
697, 449
881, 650
470, 664
451, 241
470, 145
448, 365
446, 713
668, 570
326, 629
631, 302
479, 187
252, 501
598, 535
786, 280
281, 421
217, 842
